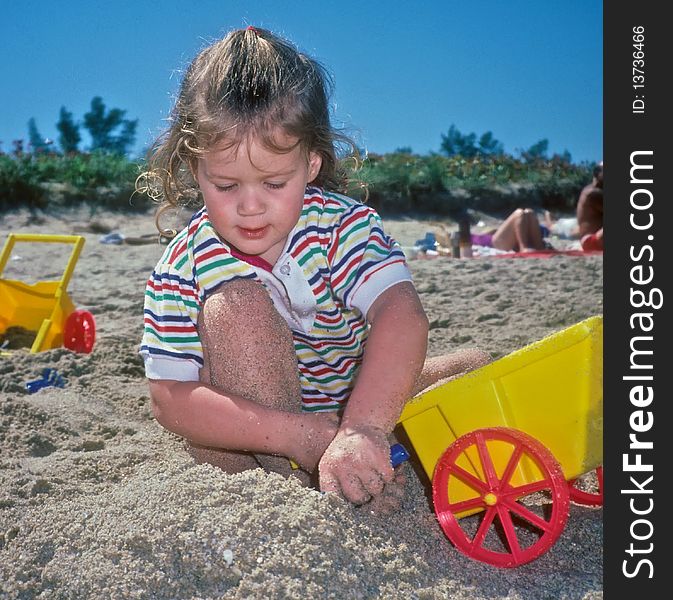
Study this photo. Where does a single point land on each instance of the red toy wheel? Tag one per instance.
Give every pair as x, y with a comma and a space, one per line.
79, 333
515, 527
587, 498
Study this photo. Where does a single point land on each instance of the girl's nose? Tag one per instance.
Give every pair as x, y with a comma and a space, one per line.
250, 204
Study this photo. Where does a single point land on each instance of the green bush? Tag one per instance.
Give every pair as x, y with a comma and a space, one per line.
397, 182
42, 180
20, 183
402, 181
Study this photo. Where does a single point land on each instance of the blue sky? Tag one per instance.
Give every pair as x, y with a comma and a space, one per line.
404, 71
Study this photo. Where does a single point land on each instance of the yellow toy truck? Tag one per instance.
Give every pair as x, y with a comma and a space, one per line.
504, 444
44, 308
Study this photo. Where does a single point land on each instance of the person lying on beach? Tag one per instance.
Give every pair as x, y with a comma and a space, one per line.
282, 322
590, 212
587, 224
520, 232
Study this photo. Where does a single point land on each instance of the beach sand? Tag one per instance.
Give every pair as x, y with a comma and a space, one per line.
99, 501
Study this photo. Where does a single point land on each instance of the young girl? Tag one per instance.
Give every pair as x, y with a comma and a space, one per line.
282, 321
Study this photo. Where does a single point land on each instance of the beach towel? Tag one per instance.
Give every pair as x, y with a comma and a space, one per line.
572, 249
548, 253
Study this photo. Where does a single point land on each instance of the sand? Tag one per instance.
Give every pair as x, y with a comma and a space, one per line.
98, 501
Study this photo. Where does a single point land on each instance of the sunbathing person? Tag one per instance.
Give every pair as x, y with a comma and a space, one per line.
590, 212
587, 224
520, 232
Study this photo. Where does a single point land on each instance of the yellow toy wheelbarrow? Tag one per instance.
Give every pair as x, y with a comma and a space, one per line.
504, 444
45, 308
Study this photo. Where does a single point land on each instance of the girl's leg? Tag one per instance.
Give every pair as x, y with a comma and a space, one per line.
248, 352
438, 369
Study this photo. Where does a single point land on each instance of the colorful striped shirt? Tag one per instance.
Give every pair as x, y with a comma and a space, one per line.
337, 260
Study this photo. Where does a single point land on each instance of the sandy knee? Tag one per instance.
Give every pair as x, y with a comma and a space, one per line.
478, 357
242, 299
241, 309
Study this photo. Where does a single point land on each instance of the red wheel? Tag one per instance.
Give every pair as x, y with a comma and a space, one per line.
584, 497
79, 333
512, 526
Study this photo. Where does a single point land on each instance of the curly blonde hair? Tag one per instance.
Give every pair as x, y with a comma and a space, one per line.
249, 83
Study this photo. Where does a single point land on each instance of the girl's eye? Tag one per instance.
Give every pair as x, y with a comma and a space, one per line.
276, 186
225, 188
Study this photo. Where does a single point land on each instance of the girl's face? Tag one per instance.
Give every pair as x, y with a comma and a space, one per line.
254, 196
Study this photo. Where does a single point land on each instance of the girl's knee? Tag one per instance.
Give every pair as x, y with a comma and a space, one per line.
478, 358
239, 295
236, 303
240, 319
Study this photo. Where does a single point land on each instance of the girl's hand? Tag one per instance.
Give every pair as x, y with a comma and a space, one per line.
357, 463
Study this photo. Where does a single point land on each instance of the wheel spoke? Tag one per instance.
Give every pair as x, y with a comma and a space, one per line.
486, 462
526, 489
511, 465
484, 526
463, 475
510, 532
459, 507
530, 516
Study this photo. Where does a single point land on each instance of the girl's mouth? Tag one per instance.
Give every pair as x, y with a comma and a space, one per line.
253, 234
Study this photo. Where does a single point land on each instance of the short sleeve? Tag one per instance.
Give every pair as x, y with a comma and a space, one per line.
171, 347
364, 261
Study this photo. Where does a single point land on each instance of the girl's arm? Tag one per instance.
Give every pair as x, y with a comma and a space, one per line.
205, 416
357, 462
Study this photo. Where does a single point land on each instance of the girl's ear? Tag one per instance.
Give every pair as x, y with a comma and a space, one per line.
314, 164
